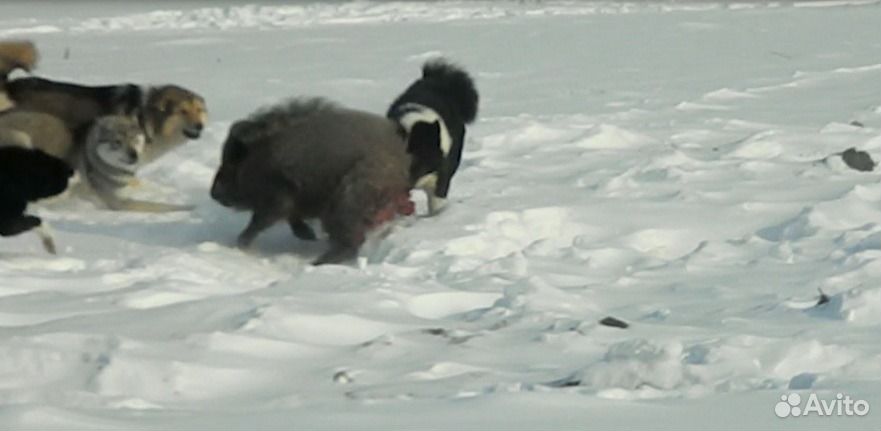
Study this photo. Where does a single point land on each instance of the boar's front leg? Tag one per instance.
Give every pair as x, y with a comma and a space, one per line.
260, 221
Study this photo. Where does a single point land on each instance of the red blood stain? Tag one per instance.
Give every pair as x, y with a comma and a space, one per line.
399, 204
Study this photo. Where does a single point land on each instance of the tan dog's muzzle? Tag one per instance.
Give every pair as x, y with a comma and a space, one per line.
193, 131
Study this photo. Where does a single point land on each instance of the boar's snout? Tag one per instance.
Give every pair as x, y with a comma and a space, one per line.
220, 192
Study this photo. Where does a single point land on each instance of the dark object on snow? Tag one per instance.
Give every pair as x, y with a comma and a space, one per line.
566, 382
440, 332
27, 175
433, 112
342, 377
858, 160
309, 158
823, 299
615, 323
856, 123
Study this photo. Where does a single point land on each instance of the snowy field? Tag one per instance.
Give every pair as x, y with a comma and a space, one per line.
661, 163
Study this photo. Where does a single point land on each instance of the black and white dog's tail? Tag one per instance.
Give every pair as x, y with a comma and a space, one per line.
433, 113
455, 84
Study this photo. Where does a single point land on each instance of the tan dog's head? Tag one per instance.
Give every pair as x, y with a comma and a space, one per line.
175, 112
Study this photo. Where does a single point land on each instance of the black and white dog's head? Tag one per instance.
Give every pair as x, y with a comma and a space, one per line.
433, 113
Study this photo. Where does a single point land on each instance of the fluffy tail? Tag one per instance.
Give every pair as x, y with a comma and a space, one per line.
16, 54
456, 83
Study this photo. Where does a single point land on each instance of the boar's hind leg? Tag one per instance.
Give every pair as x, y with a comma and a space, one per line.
346, 233
351, 210
338, 253
301, 229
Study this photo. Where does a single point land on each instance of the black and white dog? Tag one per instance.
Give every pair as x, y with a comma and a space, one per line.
27, 175
433, 113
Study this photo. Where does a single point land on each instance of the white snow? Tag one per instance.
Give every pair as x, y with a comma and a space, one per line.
663, 163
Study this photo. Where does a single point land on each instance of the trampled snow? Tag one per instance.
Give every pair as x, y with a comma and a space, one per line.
673, 165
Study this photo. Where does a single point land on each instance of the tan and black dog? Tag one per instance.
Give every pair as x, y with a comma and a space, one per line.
168, 114
62, 119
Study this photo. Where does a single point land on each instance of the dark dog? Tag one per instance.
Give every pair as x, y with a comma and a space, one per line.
433, 112
27, 175
312, 159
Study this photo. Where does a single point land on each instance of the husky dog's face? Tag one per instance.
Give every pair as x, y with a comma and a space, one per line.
177, 112
435, 152
121, 155
118, 142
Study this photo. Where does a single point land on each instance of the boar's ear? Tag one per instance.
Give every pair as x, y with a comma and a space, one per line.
241, 129
240, 133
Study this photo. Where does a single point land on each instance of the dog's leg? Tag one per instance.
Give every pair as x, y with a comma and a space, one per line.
302, 230
428, 184
260, 221
24, 223
435, 204
46, 237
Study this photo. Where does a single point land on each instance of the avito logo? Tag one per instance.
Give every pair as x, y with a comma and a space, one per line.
842, 405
